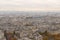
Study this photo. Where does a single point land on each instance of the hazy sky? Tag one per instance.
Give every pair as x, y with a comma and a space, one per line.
30, 5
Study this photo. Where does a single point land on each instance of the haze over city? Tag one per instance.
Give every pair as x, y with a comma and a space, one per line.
30, 5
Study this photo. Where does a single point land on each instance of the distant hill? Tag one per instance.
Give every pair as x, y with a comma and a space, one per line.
30, 13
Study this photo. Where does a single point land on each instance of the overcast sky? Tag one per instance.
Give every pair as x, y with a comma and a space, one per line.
30, 5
